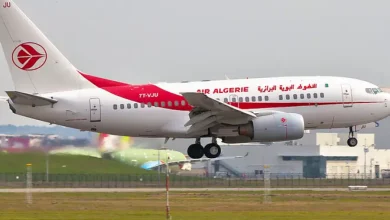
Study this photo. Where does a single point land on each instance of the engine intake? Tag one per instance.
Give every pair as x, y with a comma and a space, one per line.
274, 128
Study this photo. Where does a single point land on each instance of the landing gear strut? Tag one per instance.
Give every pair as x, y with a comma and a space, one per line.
352, 141
196, 151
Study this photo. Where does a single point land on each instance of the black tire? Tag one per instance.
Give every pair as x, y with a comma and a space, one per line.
195, 151
212, 150
352, 142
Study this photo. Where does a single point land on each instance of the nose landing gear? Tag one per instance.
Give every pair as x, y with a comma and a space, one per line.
352, 141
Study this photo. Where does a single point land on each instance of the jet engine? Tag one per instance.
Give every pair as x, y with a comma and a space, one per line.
271, 128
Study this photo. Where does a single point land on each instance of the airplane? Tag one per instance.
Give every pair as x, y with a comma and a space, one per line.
120, 148
50, 89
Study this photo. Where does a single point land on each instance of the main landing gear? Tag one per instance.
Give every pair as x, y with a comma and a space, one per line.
196, 151
352, 141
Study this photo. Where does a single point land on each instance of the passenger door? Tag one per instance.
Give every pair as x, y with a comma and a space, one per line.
95, 110
347, 95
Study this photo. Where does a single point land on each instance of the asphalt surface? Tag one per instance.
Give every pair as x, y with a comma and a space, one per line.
104, 190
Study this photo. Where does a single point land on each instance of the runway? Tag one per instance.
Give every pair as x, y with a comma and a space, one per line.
124, 190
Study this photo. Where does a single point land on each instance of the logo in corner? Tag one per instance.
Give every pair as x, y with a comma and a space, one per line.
29, 56
283, 120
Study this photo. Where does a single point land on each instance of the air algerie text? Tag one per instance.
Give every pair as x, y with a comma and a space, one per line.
223, 90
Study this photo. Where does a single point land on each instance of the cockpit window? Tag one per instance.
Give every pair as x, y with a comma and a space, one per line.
373, 90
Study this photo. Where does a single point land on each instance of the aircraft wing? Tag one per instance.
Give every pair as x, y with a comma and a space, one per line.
209, 112
215, 159
205, 102
192, 161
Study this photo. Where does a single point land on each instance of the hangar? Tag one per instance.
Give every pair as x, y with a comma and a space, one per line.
327, 156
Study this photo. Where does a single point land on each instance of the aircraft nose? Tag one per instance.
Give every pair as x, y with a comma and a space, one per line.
387, 101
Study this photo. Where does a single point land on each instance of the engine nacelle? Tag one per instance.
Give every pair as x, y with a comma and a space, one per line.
274, 128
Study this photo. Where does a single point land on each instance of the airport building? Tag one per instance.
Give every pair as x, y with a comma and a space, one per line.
327, 157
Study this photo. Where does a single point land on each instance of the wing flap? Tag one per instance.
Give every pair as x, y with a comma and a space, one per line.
209, 112
29, 99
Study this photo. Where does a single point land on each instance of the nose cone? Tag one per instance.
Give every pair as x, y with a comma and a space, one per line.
386, 95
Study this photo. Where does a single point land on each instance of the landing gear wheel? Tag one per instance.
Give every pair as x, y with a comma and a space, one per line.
212, 150
195, 151
352, 142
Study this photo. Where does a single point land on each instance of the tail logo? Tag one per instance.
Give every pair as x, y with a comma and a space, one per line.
29, 56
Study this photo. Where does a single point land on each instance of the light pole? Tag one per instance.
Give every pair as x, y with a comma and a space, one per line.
29, 183
47, 164
159, 168
365, 156
168, 214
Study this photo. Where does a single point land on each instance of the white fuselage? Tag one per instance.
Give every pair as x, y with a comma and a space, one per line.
117, 108
48, 87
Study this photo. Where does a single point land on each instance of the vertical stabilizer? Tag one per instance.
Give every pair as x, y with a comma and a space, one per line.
35, 64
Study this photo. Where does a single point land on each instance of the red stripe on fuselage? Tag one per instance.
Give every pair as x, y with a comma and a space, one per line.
136, 93
140, 93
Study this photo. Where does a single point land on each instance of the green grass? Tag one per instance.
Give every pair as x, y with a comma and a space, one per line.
64, 164
286, 205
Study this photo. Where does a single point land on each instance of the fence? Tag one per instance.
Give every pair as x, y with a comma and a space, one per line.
18, 180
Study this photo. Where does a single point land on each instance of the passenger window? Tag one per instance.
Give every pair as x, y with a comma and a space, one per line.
266, 98
234, 100
128, 105
253, 99
115, 107
122, 106
135, 105
176, 103
149, 104
288, 97
240, 99
155, 104
295, 96
169, 103
183, 103
302, 96
280, 97
259, 98
322, 95
225, 100
315, 95
308, 95
246, 99
142, 105
162, 104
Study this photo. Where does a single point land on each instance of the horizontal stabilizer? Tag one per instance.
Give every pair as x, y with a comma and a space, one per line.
28, 99
3, 99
